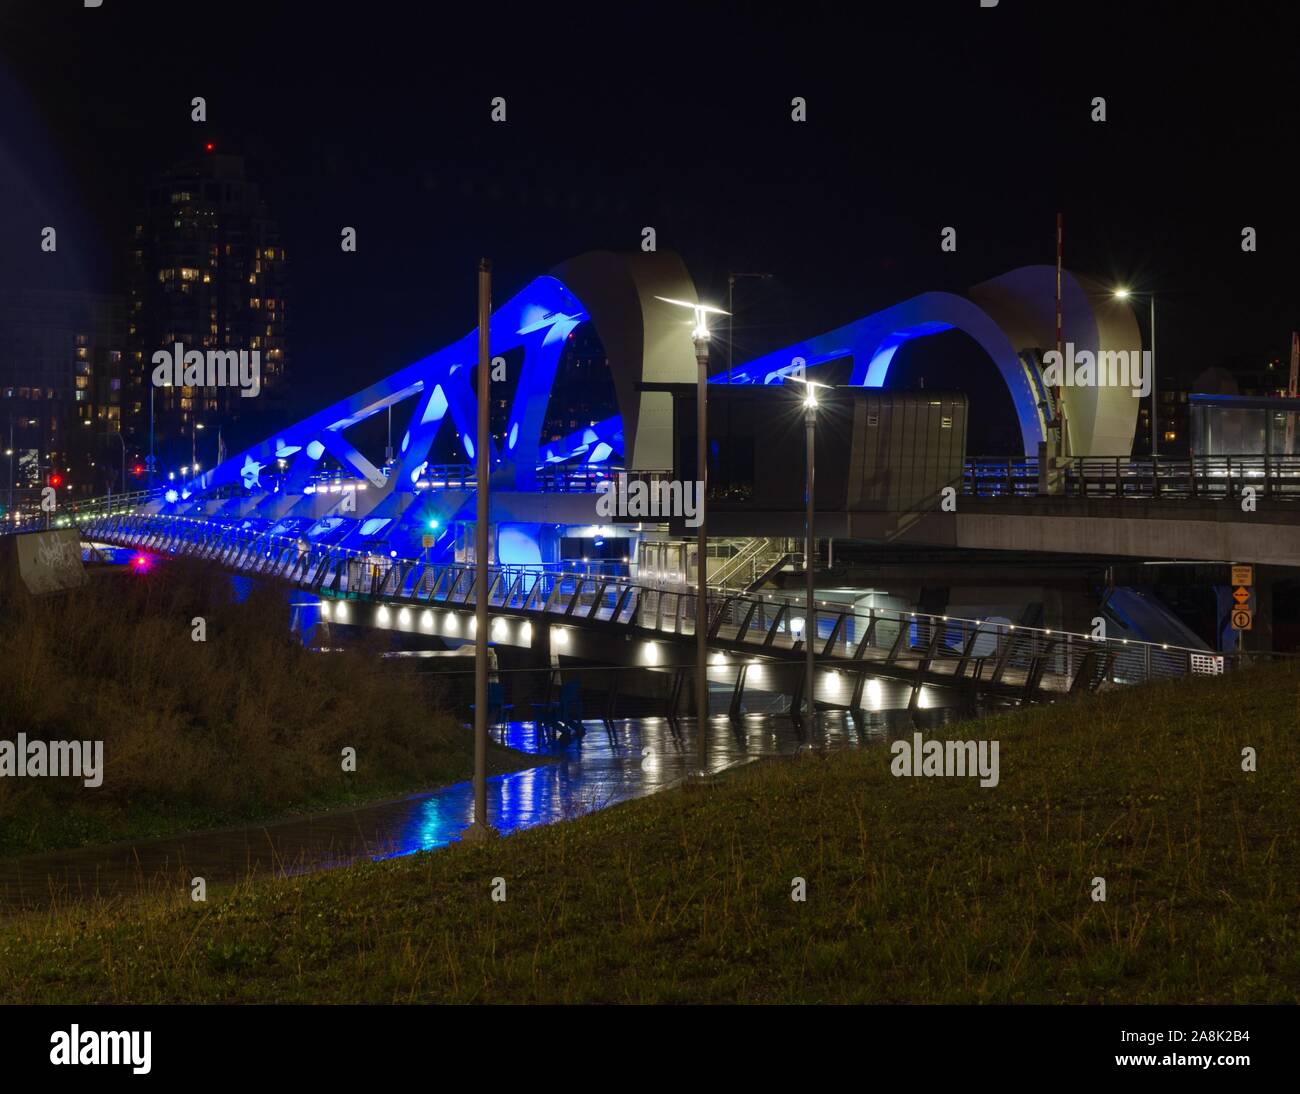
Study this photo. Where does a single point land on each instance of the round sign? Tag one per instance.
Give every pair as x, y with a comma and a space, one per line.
1241, 619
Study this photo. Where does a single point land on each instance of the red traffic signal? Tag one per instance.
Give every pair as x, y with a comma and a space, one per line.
138, 469
56, 479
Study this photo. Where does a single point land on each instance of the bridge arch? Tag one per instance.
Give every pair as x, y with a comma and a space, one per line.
1012, 319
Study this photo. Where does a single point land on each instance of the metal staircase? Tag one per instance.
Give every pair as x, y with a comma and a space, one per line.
756, 560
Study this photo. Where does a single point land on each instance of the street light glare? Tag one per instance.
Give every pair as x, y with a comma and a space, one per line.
1122, 294
709, 308
702, 312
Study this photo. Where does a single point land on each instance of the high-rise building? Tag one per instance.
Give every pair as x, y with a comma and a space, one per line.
208, 271
583, 392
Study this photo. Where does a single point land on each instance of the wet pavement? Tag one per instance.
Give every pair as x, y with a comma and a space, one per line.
610, 763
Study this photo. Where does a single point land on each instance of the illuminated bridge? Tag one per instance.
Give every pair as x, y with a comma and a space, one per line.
757, 640
311, 481
309, 505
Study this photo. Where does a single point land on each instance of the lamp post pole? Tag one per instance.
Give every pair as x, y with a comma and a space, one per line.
480, 830
810, 543
1155, 408
151, 457
121, 439
731, 294
700, 336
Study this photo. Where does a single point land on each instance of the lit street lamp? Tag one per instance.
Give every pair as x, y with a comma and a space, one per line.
810, 541
1126, 294
700, 338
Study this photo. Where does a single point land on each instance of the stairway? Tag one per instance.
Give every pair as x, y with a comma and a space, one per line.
756, 560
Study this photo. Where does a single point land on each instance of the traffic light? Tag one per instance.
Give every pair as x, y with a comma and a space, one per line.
55, 480
137, 470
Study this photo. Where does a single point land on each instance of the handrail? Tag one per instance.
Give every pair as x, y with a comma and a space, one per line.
169, 533
1170, 478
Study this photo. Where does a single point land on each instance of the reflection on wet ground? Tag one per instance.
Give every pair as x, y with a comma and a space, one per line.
610, 763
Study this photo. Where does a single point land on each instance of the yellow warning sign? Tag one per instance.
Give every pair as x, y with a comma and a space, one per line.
1241, 595
1243, 575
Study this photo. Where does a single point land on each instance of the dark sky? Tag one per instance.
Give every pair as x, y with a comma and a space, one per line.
921, 115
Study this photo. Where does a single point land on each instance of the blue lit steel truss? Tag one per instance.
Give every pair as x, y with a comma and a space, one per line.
282, 486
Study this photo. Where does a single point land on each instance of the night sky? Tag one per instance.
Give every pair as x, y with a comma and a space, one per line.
921, 115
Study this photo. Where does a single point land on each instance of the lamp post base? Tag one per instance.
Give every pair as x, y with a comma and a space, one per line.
479, 833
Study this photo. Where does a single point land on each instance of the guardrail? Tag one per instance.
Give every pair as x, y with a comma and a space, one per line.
1198, 477
985, 655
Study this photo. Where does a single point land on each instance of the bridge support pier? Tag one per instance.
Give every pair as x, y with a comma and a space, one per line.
530, 680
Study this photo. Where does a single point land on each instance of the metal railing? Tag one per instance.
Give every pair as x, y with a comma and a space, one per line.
754, 558
985, 655
1171, 478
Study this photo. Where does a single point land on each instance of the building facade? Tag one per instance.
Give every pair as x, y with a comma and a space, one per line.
207, 271
63, 374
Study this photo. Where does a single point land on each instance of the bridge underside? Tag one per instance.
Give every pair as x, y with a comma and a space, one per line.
1134, 528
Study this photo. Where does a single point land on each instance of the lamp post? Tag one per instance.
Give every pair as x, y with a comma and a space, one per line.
731, 307
195, 426
1125, 294
10, 453
119, 436
700, 340
810, 542
480, 830
149, 464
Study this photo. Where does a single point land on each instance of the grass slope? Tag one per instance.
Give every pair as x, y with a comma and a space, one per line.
918, 890
246, 725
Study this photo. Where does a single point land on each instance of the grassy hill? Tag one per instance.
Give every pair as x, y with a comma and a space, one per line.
245, 725
918, 890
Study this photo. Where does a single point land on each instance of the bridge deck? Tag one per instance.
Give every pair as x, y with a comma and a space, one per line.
990, 658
